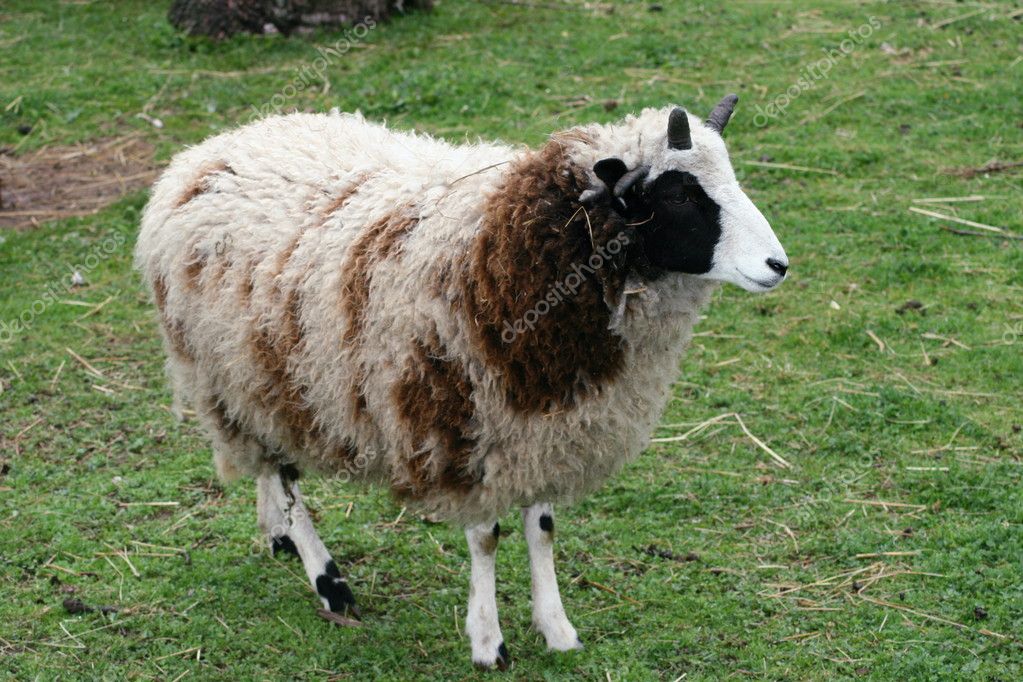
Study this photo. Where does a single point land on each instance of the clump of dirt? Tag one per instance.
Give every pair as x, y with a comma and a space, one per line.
64, 181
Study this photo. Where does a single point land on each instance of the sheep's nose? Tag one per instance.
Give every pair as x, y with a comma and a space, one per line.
778, 266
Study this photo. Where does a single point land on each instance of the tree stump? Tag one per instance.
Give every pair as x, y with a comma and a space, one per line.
223, 18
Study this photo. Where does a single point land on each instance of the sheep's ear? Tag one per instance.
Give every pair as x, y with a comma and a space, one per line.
610, 170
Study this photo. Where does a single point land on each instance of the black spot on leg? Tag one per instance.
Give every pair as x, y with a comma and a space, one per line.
332, 587
497, 531
503, 659
283, 544
289, 473
546, 523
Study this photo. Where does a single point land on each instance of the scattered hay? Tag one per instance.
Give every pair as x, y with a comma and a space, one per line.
64, 181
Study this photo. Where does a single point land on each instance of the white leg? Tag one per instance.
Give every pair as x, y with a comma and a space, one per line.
284, 519
271, 505
481, 623
548, 614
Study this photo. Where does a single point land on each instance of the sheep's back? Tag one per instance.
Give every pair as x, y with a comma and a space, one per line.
291, 261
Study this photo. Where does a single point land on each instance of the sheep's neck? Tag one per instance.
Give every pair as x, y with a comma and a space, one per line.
537, 280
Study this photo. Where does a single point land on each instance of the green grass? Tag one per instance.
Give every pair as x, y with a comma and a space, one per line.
857, 423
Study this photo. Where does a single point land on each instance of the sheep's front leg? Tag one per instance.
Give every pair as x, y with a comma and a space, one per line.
481, 623
285, 520
548, 613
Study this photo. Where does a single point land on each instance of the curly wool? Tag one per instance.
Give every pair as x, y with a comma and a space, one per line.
337, 295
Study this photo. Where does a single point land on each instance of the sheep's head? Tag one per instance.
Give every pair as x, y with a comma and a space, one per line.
687, 207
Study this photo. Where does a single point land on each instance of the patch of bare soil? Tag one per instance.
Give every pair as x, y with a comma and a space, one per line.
63, 181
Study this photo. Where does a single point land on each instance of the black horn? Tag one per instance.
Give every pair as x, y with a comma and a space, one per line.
626, 182
678, 130
718, 118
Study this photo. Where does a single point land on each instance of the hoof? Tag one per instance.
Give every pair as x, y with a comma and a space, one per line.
502, 661
335, 593
565, 646
560, 635
282, 544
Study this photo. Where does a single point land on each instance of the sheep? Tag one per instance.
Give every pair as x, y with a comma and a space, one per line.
478, 326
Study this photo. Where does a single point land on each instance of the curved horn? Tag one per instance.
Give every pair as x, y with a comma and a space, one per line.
630, 178
718, 118
678, 130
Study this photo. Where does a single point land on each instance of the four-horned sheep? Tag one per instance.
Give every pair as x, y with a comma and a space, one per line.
477, 327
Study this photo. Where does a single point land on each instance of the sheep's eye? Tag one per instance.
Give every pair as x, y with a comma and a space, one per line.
678, 199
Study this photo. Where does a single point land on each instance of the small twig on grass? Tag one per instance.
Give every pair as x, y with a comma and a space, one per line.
95, 309
880, 344
604, 588
928, 616
292, 628
15, 370
961, 221
586, 7
789, 166
788, 531
815, 117
946, 22
696, 429
948, 200
825, 581
971, 233
27, 429
945, 340
84, 362
148, 504
53, 381
176, 653
123, 554
882, 503
993, 167
779, 460
397, 520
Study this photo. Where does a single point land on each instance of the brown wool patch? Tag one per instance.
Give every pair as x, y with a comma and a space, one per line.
174, 328
201, 183
193, 271
377, 242
275, 340
194, 267
433, 399
535, 236
344, 196
246, 285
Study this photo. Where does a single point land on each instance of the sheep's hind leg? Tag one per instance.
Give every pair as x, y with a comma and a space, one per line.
548, 613
481, 622
285, 520
271, 506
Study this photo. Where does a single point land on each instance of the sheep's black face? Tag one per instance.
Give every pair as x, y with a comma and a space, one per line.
683, 228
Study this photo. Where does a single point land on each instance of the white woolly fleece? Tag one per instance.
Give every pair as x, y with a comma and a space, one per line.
284, 172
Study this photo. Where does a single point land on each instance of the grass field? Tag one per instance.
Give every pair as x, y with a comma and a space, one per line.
887, 371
